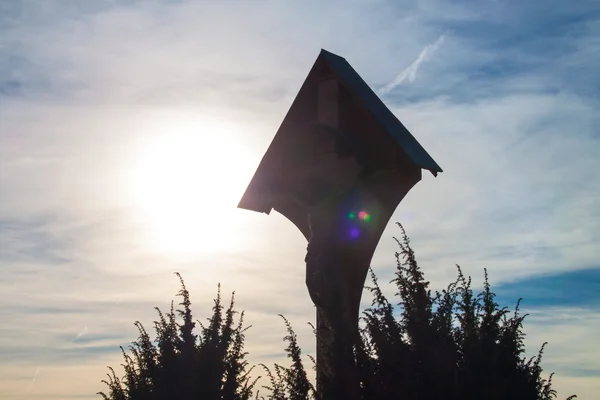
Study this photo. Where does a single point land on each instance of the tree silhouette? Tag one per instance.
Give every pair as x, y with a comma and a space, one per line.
451, 344
183, 365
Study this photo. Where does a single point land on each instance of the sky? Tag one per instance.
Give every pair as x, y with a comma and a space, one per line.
130, 129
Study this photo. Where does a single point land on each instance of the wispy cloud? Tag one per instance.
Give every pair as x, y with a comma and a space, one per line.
410, 73
511, 114
567, 330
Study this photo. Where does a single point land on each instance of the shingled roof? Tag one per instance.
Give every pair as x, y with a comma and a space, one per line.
356, 85
302, 110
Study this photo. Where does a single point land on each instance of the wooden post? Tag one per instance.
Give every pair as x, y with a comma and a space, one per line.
290, 174
327, 114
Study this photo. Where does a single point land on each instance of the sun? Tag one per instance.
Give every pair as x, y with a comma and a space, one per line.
185, 184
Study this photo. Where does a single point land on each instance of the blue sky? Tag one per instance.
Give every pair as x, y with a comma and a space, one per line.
129, 130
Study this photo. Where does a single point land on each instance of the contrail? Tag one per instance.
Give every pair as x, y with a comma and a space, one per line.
80, 334
410, 73
37, 371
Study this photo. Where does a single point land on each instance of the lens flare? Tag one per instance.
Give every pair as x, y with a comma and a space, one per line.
356, 223
364, 216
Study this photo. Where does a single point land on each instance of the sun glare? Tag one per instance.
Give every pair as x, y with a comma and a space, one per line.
186, 183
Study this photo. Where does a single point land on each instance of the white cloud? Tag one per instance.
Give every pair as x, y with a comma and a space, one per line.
514, 190
519, 194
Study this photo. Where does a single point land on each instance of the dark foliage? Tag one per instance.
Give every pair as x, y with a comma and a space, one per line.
182, 364
453, 344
